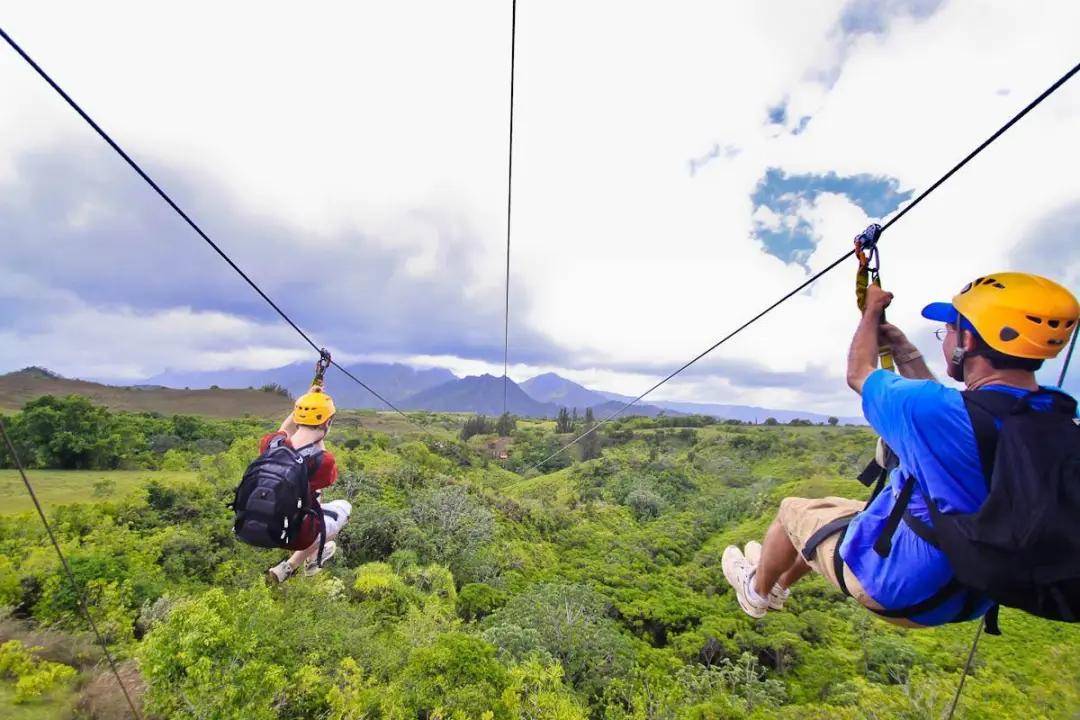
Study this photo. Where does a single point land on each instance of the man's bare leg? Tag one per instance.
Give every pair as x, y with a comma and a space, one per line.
795, 573
778, 557
298, 558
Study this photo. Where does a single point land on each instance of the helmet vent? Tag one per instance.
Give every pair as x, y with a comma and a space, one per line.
989, 281
999, 286
1007, 334
1055, 342
968, 287
1032, 318
1070, 323
1053, 323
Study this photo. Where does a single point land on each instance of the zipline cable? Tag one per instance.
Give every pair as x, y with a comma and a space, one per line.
1068, 358
1000, 131
509, 197
79, 595
967, 669
164, 196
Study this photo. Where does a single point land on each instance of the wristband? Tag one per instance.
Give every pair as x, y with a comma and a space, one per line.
908, 356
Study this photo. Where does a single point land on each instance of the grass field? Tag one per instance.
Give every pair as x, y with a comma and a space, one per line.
56, 705
61, 487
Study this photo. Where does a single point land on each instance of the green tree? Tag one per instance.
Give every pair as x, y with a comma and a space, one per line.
834, 421
478, 600
563, 422
570, 623
476, 425
590, 444
506, 425
69, 433
449, 526
458, 676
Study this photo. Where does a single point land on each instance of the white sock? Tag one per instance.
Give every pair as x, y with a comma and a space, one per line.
751, 592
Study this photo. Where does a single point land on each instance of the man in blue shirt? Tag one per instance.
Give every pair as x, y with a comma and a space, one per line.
998, 330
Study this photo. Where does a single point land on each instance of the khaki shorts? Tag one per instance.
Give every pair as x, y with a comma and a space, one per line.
802, 517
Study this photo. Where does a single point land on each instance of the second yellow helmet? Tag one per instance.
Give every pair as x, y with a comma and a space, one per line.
313, 408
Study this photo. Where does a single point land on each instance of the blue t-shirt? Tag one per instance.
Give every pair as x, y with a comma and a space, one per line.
927, 426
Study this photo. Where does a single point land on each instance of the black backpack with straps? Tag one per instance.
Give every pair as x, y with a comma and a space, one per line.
1021, 548
274, 497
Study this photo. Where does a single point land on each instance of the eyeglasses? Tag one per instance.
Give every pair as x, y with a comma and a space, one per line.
940, 333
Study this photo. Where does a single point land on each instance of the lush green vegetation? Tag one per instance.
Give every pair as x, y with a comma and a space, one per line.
61, 487
71, 433
466, 589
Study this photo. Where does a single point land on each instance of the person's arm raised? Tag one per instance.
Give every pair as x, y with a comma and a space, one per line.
909, 361
863, 354
288, 426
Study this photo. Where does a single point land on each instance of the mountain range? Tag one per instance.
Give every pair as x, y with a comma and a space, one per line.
439, 389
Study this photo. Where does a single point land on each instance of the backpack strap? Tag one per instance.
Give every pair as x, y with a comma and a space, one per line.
985, 409
877, 475
309, 451
883, 544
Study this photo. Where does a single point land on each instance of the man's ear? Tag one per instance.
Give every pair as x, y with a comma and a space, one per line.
967, 340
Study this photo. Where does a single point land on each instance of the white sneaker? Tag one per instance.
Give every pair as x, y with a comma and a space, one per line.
311, 567
280, 572
739, 573
777, 595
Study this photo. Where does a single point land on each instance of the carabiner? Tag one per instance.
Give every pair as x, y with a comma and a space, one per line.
320, 367
866, 250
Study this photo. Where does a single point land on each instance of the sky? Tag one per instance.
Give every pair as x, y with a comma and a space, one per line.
675, 172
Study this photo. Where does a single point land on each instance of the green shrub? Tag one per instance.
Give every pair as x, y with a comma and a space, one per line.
478, 600
33, 677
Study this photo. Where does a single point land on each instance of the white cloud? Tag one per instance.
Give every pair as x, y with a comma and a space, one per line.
349, 116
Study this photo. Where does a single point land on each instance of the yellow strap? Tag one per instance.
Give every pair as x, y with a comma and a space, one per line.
862, 281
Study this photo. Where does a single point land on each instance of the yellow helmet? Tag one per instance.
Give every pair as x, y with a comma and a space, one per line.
313, 408
1018, 314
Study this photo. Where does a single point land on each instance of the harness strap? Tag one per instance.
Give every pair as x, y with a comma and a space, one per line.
947, 592
321, 524
839, 525
883, 544
838, 560
921, 528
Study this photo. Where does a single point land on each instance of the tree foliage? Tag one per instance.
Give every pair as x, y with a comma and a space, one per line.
461, 589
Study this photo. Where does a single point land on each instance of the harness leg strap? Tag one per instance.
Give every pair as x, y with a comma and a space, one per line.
839, 525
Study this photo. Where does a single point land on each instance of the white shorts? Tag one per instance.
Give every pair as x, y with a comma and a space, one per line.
336, 513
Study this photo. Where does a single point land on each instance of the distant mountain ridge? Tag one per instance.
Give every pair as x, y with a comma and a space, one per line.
480, 394
440, 390
394, 381
20, 387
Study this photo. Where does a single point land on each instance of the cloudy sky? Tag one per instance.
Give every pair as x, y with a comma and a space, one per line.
677, 167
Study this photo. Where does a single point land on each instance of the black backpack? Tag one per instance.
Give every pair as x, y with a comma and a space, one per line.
1021, 548
274, 497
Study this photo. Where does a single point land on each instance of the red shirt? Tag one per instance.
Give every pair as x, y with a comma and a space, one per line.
322, 473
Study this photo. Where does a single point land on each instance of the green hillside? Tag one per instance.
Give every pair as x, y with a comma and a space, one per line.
463, 589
